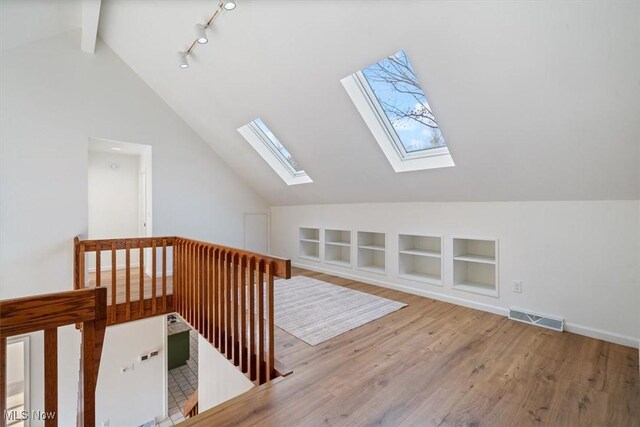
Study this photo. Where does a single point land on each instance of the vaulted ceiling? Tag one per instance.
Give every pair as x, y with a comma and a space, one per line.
536, 100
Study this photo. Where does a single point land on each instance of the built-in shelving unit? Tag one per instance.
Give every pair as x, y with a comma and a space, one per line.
420, 258
475, 265
337, 247
309, 247
372, 252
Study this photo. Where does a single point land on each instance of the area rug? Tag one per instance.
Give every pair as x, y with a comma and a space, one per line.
315, 311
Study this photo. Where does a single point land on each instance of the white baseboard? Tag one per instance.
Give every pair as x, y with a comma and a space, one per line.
602, 335
569, 327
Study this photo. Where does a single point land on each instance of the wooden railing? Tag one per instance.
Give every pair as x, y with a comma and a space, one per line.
47, 313
132, 293
191, 405
226, 294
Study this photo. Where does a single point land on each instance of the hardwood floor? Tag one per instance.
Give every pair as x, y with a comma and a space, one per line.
434, 363
134, 277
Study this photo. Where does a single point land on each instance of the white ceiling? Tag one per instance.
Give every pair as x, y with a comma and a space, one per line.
537, 100
25, 21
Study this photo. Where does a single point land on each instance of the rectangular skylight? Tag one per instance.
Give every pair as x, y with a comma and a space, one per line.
393, 104
273, 152
276, 145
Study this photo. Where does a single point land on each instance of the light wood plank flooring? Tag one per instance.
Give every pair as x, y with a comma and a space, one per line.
105, 281
438, 364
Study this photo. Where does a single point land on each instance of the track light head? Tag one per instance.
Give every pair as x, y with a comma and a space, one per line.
229, 4
182, 60
201, 34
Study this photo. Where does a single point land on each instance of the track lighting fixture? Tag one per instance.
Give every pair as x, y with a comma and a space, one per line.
201, 31
201, 34
182, 58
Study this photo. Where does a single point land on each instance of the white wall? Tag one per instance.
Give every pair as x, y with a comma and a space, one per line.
54, 98
218, 379
113, 201
577, 260
138, 396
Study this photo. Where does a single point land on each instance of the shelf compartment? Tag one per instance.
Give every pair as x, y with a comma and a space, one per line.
309, 250
420, 245
476, 258
310, 234
474, 250
337, 237
476, 288
309, 243
371, 252
338, 244
369, 239
310, 240
337, 255
421, 252
372, 247
471, 276
419, 268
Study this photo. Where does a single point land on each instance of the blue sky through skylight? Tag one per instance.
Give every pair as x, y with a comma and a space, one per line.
277, 145
403, 101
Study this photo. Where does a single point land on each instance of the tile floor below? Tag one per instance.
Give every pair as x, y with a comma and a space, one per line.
183, 381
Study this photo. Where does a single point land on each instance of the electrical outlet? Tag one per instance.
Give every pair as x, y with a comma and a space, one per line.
517, 286
154, 353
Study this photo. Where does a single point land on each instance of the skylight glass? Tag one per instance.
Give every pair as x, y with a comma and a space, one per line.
401, 98
260, 137
276, 145
392, 103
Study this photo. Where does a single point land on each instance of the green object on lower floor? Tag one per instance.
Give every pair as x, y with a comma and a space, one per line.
178, 349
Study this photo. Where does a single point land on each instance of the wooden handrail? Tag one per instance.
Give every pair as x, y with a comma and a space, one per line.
133, 294
226, 294
107, 244
36, 313
47, 313
282, 266
222, 292
191, 405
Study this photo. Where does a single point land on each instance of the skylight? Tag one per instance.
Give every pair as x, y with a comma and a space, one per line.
393, 104
276, 145
273, 152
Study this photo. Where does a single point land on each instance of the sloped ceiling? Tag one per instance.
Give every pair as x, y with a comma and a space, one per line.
537, 100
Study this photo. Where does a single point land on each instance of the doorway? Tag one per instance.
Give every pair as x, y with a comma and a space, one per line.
119, 195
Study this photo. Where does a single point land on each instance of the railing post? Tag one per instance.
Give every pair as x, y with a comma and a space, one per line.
51, 376
114, 287
76, 266
98, 266
3, 380
81, 272
252, 321
127, 285
153, 278
141, 279
271, 323
260, 355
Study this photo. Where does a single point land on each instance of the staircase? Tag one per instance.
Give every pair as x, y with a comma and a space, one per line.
226, 294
